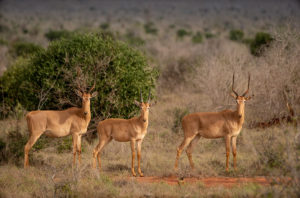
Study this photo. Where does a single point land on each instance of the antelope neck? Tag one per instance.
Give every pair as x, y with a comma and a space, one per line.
143, 121
86, 110
241, 112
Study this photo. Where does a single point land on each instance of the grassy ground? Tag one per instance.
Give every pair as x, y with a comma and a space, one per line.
272, 152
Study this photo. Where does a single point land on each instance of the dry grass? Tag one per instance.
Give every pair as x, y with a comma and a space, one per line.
272, 152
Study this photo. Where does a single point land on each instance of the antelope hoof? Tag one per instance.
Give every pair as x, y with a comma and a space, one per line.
141, 174
133, 173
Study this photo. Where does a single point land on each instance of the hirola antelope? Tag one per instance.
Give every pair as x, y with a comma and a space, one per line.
72, 121
227, 124
122, 130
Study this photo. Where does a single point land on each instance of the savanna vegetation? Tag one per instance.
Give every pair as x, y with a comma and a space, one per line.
186, 58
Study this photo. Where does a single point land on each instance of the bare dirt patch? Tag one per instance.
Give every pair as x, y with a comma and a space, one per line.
212, 181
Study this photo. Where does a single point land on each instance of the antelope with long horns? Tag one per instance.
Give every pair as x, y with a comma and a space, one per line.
212, 125
72, 121
122, 130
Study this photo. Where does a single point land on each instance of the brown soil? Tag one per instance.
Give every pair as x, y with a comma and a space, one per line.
212, 181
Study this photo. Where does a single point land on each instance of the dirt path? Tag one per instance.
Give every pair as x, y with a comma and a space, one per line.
211, 181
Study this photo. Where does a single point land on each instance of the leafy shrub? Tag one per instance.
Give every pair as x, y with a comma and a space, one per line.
66, 145
3, 28
65, 189
209, 35
41, 143
178, 115
52, 35
172, 26
2, 150
182, 33
13, 149
197, 38
236, 35
24, 49
3, 42
92, 8
15, 145
260, 41
272, 152
104, 26
150, 28
119, 73
25, 30
134, 40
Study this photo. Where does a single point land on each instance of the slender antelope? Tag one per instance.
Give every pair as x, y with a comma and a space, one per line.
122, 130
212, 125
72, 121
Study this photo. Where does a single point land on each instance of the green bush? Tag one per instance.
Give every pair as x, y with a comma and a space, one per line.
64, 190
178, 115
181, 33
41, 143
260, 42
134, 40
172, 26
24, 49
66, 145
3, 28
236, 35
15, 145
104, 26
118, 70
3, 156
52, 35
197, 38
3, 42
209, 35
150, 28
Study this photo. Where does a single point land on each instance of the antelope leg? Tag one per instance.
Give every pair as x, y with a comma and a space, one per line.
139, 148
132, 143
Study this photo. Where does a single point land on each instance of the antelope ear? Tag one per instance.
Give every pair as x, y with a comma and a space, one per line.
153, 104
233, 95
78, 93
94, 94
250, 97
137, 103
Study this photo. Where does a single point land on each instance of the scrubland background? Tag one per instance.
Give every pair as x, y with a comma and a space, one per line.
195, 75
